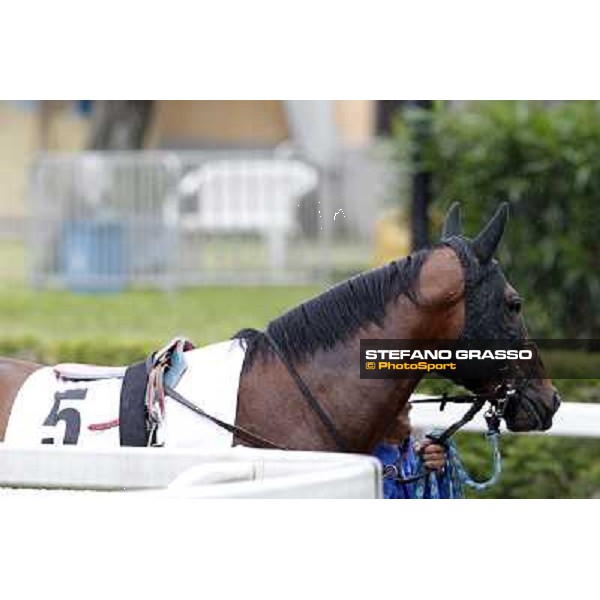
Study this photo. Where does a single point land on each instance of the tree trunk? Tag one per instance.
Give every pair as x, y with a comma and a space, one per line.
421, 181
120, 124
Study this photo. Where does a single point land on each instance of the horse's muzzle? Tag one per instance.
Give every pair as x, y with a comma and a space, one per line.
529, 414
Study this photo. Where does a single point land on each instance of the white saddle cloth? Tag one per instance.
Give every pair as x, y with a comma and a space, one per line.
51, 409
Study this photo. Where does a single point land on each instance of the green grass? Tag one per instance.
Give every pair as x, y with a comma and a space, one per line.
204, 315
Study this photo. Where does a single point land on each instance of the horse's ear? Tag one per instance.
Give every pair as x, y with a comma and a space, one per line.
452, 222
485, 244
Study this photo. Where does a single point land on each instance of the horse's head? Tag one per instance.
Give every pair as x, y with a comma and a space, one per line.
491, 310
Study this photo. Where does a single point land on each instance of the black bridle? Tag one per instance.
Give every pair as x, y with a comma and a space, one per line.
476, 273
504, 394
498, 400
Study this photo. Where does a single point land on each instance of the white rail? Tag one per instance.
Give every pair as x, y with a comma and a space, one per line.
235, 473
573, 419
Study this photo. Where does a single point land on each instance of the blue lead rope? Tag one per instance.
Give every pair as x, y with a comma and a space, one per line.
449, 484
457, 467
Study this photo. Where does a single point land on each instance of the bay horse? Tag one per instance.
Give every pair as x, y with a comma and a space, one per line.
453, 290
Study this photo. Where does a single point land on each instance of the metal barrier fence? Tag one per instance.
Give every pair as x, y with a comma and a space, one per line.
103, 221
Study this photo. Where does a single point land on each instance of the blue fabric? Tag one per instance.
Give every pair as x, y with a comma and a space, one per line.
84, 107
177, 363
405, 459
449, 484
435, 486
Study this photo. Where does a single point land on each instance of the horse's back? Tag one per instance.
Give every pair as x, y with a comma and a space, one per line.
13, 374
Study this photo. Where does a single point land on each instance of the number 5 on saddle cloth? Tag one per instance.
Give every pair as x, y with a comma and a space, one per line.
102, 407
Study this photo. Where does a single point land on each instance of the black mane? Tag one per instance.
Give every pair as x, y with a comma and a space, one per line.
337, 314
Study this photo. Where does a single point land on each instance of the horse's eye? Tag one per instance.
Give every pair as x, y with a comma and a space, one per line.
514, 305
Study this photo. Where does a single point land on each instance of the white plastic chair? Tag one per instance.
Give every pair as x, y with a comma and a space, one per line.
247, 196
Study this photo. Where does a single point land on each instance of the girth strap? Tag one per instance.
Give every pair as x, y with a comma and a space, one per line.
133, 429
312, 401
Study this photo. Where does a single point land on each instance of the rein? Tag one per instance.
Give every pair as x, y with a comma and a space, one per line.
253, 438
308, 395
497, 399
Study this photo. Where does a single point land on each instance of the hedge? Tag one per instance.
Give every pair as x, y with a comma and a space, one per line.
545, 160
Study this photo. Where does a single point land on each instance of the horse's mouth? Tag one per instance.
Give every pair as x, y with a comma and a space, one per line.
532, 414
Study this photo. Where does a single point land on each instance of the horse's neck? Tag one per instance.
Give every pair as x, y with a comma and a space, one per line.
271, 403
362, 410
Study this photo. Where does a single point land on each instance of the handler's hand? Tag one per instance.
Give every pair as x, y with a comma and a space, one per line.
434, 456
